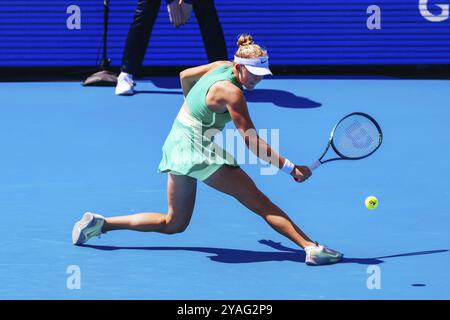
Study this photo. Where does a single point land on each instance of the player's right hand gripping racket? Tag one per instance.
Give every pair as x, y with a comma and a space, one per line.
354, 137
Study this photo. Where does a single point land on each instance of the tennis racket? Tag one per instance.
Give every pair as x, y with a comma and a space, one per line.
356, 136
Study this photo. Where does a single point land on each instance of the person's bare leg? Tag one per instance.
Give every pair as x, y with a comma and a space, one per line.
235, 182
181, 191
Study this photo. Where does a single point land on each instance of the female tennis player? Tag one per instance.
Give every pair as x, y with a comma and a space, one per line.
213, 97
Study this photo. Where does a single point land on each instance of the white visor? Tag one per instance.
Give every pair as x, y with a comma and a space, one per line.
257, 66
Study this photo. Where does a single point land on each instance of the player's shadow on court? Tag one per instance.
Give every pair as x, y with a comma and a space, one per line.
158, 92
247, 256
166, 82
280, 98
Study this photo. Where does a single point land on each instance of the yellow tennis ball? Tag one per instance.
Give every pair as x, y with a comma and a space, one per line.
371, 202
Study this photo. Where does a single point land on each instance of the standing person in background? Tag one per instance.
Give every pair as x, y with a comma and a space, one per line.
179, 13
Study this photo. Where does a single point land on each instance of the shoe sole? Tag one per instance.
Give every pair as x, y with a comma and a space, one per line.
78, 236
125, 93
129, 92
324, 261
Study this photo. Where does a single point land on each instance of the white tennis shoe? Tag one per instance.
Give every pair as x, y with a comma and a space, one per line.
89, 226
317, 255
125, 84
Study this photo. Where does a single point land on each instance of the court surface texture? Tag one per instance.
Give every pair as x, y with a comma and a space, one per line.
67, 149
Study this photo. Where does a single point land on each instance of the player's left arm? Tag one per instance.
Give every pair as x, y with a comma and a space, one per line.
237, 107
189, 77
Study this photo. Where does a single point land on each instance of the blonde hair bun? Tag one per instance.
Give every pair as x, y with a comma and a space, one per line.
245, 40
247, 48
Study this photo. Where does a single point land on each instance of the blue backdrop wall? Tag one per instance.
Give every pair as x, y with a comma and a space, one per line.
298, 32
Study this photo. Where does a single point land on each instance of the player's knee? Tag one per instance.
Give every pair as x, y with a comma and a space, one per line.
173, 229
173, 226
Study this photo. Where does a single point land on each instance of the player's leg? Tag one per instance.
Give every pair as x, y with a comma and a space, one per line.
181, 191
235, 182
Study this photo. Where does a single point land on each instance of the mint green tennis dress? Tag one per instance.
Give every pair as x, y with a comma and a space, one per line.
189, 148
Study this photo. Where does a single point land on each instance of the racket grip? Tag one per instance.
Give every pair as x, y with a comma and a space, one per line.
314, 165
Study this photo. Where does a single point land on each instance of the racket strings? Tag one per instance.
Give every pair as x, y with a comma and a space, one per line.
356, 137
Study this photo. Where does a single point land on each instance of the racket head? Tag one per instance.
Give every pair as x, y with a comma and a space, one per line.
356, 136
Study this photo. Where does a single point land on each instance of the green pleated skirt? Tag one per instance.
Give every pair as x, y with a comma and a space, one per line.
188, 152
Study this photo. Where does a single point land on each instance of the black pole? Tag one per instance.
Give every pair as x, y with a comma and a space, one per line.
105, 61
104, 77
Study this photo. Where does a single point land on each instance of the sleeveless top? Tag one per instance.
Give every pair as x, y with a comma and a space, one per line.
196, 100
189, 148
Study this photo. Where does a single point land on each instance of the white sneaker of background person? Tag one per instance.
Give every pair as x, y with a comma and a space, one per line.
125, 84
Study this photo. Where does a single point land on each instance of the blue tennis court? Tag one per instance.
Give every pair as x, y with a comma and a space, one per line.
67, 149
